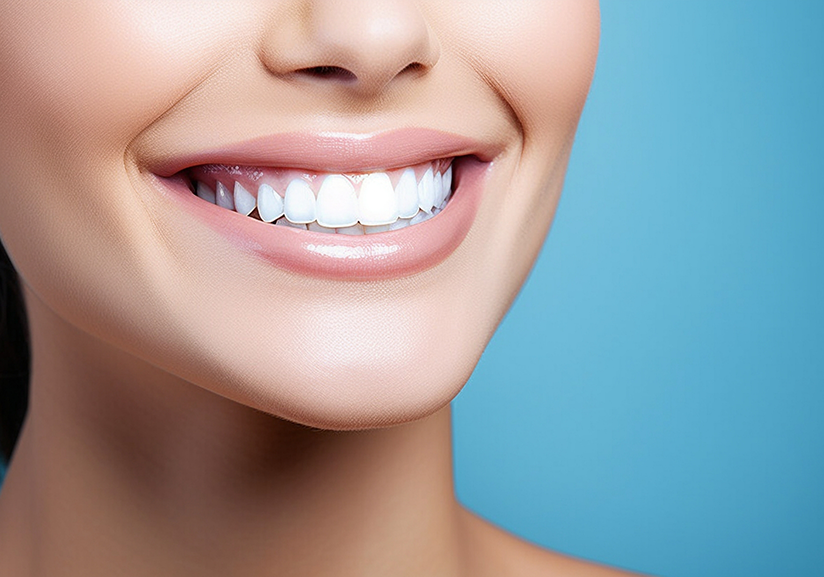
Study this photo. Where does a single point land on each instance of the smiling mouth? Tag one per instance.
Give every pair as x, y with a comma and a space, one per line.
420, 189
335, 203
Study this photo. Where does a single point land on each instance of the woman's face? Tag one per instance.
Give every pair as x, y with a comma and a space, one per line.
115, 113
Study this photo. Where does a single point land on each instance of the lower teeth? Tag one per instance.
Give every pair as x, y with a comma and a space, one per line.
357, 229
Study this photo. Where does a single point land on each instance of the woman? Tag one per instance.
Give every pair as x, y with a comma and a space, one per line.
225, 212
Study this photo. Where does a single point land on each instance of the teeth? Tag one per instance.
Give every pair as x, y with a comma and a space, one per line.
224, 197
420, 217
351, 230
374, 229
270, 204
337, 202
407, 191
299, 203
206, 193
446, 178
426, 191
400, 223
377, 201
285, 222
244, 202
315, 227
338, 208
440, 192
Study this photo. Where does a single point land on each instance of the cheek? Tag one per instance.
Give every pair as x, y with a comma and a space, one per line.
538, 54
79, 81
103, 69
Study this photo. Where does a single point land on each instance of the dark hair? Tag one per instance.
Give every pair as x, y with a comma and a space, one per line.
14, 357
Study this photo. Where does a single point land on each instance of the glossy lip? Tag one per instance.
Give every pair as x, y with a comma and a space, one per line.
378, 256
336, 152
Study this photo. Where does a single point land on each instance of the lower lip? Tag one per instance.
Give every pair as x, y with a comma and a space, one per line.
379, 256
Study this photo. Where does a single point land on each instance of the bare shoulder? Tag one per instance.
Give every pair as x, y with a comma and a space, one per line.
491, 551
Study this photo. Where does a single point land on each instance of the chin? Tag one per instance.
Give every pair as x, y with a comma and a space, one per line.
319, 352
359, 375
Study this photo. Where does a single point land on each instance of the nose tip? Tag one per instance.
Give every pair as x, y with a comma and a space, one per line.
362, 44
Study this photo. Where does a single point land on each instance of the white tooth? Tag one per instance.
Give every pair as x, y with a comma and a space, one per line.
400, 223
351, 230
426, 191
443, 203
447, 186
374, 229
407, 191
224, 197
285, 222
420, 217
377, 203
437, 180
299, 203
244, 202
315, 227
337, 202
206, 193
270, 203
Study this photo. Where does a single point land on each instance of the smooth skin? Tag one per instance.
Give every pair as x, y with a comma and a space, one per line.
195, 410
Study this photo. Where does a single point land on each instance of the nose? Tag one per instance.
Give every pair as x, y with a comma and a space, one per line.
363, 45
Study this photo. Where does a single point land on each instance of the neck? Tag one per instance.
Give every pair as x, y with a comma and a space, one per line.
123, 468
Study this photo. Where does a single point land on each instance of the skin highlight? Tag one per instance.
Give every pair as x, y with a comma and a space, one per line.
194, 408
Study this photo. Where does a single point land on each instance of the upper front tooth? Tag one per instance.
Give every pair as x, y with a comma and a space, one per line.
244, 201
337, 205
299, 203
377, 202
426, 191
337, 202
270, 203
407, 191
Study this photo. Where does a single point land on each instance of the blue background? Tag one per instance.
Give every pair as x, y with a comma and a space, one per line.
655, 399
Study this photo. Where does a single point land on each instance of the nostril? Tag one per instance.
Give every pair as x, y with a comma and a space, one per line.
329, 73
413, 67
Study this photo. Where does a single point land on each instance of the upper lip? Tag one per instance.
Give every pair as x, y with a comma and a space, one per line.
336, 152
